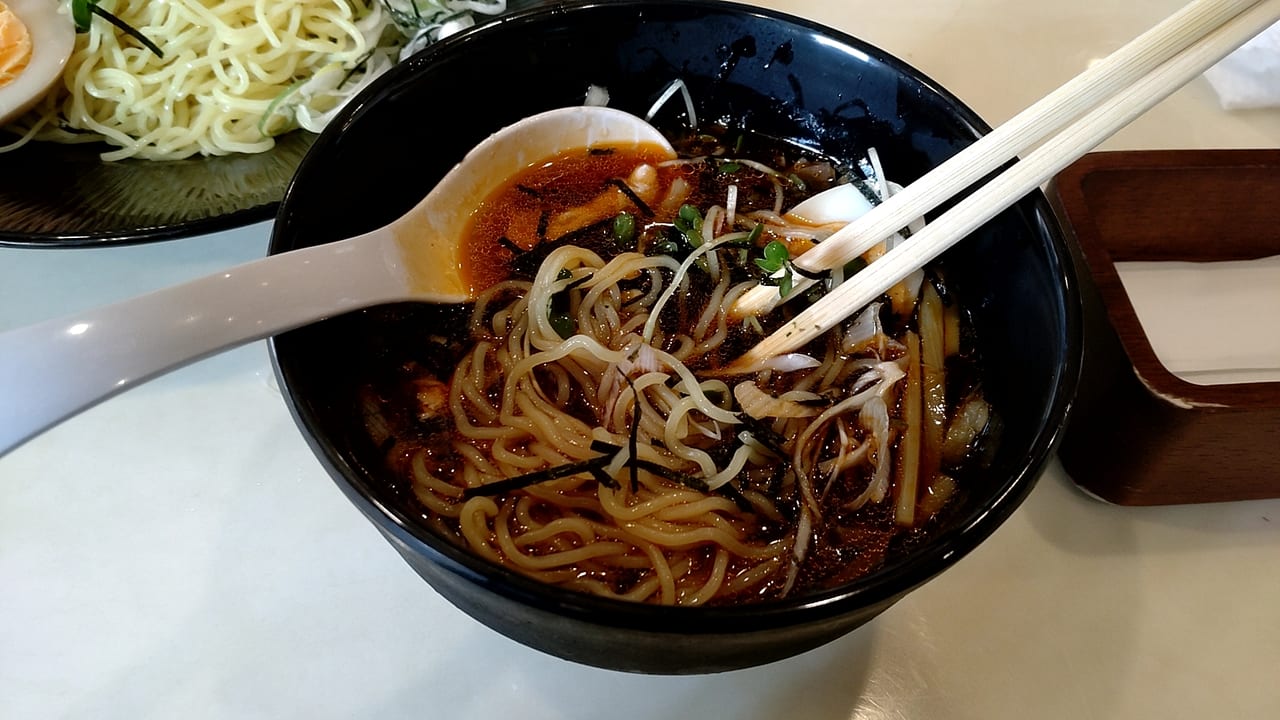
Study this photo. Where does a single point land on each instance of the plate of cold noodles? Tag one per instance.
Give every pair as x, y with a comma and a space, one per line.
176, 118
577, 425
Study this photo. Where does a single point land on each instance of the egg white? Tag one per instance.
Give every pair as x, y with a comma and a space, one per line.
53, 35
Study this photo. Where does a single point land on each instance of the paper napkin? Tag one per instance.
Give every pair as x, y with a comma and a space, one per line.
1250, 76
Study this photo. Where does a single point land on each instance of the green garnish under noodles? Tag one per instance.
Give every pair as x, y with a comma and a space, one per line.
82, 12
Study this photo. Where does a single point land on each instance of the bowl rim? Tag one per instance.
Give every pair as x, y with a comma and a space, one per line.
878, 588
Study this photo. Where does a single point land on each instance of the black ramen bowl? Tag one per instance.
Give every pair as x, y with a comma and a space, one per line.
754, 69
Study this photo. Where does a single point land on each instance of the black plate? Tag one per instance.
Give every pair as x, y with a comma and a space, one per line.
54, 195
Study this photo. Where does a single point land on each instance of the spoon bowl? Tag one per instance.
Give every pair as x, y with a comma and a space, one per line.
53, 370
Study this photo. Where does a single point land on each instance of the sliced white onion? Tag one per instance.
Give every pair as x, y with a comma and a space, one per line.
874, 416
804, 528
759, 404
969, 422
864, 331
596, 95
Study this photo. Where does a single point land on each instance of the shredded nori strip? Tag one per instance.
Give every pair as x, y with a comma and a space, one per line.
733, 493
360, 66
604, 478
543, 220
820, 275
538, 476
507, 243
765, 435
83, 10
633, 437
531, 192
692, 481
631, 195
578, 282
601, 446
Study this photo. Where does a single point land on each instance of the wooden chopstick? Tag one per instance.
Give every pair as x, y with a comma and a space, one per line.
1027, 174
1101, 80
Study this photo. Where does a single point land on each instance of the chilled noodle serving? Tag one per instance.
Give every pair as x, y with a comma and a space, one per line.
226, 76
578, 428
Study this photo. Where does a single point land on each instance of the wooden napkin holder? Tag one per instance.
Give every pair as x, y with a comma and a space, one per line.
1138, 434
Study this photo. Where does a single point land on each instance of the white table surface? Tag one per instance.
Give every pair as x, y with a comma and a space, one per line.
177, 552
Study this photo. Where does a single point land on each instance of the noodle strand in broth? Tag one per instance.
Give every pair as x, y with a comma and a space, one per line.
585, 436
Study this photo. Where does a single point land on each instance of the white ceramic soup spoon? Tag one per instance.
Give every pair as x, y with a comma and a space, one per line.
53, 370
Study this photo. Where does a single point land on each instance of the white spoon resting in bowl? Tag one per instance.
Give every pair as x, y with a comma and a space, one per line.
53, 370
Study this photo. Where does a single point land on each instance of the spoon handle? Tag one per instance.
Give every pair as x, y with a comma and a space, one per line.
55, 369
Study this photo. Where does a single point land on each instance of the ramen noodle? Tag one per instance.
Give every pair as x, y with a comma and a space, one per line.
580, 427
229, 75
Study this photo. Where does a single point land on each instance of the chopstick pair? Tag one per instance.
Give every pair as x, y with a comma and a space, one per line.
1118, 88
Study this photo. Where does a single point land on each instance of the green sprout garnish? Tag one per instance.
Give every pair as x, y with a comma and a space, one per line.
82, 12
689, 223
624, 229
777, 258
562, 324
558, 310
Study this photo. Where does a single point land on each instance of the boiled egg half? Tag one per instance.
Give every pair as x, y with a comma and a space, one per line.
36, 39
